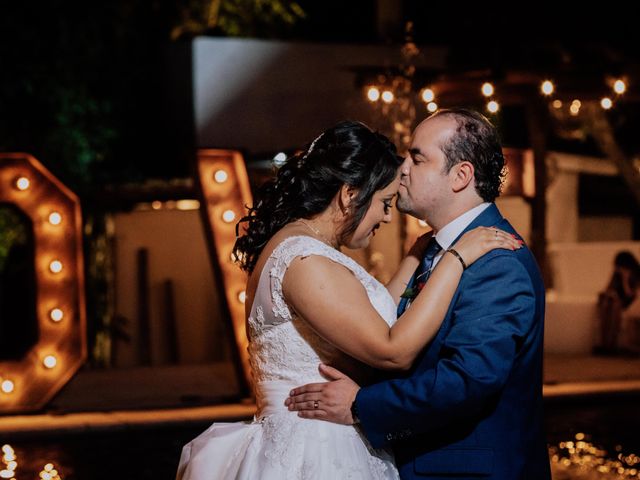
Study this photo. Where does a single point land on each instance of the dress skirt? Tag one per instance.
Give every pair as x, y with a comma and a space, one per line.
279, 445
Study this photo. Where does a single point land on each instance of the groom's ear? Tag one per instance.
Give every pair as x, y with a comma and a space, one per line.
463, 175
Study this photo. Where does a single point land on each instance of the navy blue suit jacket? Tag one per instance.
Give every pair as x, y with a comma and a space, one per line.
471, 407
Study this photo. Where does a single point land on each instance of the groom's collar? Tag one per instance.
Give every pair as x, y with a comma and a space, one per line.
452, 230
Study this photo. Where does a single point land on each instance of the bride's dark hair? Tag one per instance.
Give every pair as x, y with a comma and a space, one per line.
346, 154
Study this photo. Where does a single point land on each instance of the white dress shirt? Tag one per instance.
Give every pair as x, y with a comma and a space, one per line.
447, 234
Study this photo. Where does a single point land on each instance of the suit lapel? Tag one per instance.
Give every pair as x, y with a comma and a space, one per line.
489, 217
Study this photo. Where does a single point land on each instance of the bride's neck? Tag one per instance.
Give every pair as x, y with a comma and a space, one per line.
323, 227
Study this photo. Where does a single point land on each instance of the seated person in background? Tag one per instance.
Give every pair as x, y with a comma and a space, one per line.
614, 302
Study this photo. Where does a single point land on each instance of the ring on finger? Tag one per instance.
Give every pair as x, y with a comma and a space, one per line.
316, 404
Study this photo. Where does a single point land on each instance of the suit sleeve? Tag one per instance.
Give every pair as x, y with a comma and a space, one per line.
493, 314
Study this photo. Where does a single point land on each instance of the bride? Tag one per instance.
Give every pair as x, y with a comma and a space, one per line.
308, 303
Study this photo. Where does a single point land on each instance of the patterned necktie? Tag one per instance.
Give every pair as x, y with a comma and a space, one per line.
422, 272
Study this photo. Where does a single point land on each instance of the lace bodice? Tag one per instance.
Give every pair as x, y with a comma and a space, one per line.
283, 346
285, 352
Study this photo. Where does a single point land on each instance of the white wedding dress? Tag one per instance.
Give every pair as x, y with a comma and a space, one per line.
285, 353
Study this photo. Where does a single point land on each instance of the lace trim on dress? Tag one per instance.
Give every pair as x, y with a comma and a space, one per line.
304, 246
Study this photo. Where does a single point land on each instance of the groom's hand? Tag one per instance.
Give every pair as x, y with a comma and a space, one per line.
330, 401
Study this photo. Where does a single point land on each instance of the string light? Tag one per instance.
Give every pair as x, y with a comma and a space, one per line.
493, 106
619, 86
547, 87
387, 96
487, 89
432, 107
574, 109
373, 94
606, 103
428, 95
557, 104
222, 176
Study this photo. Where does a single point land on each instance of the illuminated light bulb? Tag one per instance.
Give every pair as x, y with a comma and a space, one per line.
55, 218
48, 467
23, 183
493, 106
221, 176
12, 465
228, 216
487, 89
185, 205
574, 109
56, 314
547, 87
50, 361
423, 224
606, 103
432, 106
557, 104
373, 94
6, 474
156, 204
7, 386
55, 266
428, 95
242, 297
619, 86
387, 96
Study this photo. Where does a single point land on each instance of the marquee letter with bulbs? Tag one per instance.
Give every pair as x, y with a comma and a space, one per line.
225, 189
29, 383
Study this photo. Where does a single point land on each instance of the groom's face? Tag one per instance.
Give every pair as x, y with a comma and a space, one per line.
425, 186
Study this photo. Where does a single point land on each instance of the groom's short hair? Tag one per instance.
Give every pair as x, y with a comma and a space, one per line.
476, 141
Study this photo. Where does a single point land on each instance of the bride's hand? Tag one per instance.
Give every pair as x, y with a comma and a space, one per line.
481, 240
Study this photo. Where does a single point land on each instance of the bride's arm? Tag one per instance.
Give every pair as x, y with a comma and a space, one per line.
335, 304
398, 284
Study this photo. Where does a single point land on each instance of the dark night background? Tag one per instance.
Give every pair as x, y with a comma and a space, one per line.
86, 86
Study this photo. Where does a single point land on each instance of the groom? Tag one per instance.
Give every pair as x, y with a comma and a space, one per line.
471, 407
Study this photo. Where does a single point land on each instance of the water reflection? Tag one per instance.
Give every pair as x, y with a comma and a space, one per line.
581, 459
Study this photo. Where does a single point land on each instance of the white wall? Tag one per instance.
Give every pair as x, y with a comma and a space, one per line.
264, 96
